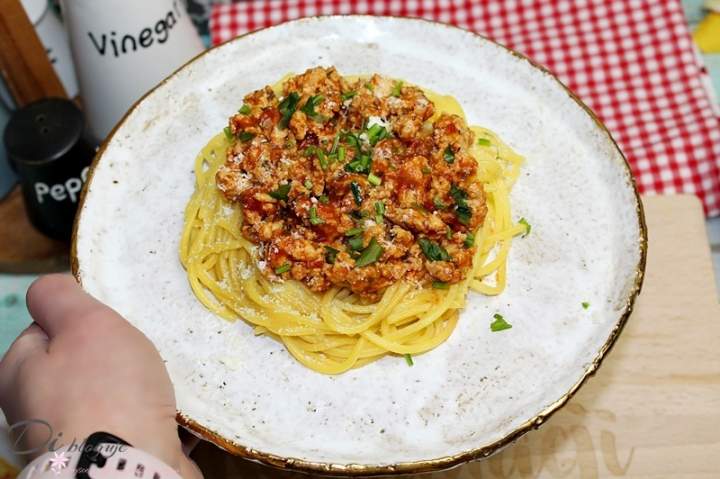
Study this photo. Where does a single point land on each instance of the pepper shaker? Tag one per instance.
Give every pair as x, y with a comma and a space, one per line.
44, 140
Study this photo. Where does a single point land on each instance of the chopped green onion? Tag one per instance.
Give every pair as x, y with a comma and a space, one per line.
379, 211
281, 193
354, 231
374, 180
358, 214
440, 285
524, 222
323, 199
370, 254
448, 232
458, 194
433, 251
449, 155
348, 95
245, 136
245, 110
356, 192
336, 142
309, 108
228, 133
356, 243
341, 153
462, 209
463, 213
308, 184
438, 203
469, 240
322, 159
585, 305
287, 107
397, 88
376, 133
314, 218
499, 324
312, 102
409, 359
369, 86
284, 268
484, 142
319, 154
330, 254
353, 141
426, 170
360, 164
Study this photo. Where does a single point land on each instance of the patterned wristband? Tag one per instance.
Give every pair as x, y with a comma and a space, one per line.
101, 456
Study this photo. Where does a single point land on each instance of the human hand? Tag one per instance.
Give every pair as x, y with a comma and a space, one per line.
82, 368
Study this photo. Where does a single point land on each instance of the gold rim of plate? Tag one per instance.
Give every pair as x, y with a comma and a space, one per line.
415, 467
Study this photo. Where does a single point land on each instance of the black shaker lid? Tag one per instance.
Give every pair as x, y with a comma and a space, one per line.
43, 130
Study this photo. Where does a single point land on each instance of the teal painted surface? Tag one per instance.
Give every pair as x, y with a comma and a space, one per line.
713, 64
694, 13
13, 313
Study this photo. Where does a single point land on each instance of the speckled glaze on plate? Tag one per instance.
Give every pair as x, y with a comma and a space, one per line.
464, 400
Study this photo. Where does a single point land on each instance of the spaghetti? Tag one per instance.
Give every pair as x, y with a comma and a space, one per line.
334, 331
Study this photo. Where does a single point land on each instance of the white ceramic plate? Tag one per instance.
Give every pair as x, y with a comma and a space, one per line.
463, 400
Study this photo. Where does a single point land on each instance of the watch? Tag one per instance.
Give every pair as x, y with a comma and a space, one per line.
101, 456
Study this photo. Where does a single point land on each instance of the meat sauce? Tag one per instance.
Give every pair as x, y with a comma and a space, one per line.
354, 184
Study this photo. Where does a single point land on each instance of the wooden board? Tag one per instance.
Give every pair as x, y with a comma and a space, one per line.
652, 410
24, 64
23, 249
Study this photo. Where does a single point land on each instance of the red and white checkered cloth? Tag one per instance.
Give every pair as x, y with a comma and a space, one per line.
631, 61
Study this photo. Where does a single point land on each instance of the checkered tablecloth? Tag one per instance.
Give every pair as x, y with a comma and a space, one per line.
632, 61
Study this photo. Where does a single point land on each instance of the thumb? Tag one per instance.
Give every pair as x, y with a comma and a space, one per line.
32, 342
58, 304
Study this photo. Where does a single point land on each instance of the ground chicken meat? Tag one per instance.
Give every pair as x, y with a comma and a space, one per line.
353, 184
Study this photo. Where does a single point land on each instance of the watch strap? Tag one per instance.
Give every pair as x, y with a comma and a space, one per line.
100, 456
